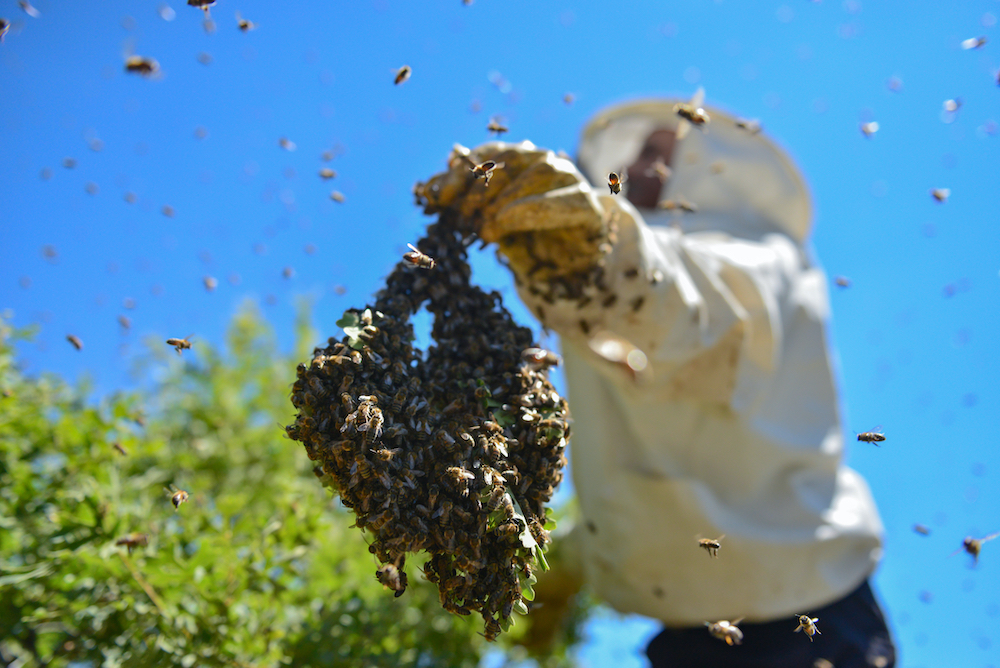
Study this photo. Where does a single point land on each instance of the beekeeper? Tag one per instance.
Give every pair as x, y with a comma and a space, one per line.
725, 423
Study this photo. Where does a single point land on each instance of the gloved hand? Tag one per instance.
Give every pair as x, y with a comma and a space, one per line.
537, 206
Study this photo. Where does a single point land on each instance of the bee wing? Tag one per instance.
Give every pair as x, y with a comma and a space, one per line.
961, 549
413, 248
990, 537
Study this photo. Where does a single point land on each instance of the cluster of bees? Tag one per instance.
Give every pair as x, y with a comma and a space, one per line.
454, 451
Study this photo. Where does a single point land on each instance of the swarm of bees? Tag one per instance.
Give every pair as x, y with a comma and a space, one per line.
454, 451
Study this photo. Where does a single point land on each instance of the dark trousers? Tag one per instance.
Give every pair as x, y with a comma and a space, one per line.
853, 634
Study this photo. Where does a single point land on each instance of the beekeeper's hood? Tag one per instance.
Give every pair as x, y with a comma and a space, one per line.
737, 179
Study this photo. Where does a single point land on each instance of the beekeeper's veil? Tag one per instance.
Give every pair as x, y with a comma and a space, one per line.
741, 182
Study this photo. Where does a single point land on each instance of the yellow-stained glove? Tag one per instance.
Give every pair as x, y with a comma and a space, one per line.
536, 205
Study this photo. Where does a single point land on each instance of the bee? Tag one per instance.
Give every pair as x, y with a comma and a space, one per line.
34, 13
496, 127
75, 340
921, 529
402, 74
392, 577
337, 197
842, 281
541, 358
484, 170
168, 211
807, 625
327, 173
180, 344
678, 204
286, 143
178, 497
660, 170
569, 99
418, 259
615, 181
496, 498
147, 67
973, 43
711, 546
941, 195
952, 105
974, 546
869, 129
133, 540
244, 25
873, 436
692, 113
751, 125
4, 28
210, 283
121, 450
727, 631
201, 4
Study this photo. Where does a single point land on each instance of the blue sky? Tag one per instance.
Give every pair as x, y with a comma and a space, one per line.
915, 332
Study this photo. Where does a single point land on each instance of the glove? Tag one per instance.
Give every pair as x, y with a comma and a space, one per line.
535, 205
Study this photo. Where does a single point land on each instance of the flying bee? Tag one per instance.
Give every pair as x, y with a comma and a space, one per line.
327, 173
807, 625
692, 113
337, 197
974, 546
540, 357
147, 67
418, 259
869, 129
121, 450
496, 127
711, 546
177, 496
973, 43
842, 281
4, 28
660, 170
727, 631
34, 13
201, 4
133, 540
244, 24
921, 529
180, 344
751, 125
75, 341
484, 170
402, 74
941, 195
873, 436
678, 204
615, 181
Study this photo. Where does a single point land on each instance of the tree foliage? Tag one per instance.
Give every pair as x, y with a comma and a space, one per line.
259, 567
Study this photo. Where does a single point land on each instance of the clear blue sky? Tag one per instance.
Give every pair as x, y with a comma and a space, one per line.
916, 332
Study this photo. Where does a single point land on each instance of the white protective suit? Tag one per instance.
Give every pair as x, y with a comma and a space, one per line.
738, 432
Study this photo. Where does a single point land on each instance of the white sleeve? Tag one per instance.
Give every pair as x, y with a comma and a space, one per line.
705, 307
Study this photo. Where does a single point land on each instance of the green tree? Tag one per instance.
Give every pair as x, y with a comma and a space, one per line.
259, 567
